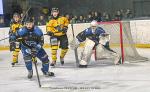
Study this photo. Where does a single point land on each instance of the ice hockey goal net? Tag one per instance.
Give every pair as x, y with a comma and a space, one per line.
121, 41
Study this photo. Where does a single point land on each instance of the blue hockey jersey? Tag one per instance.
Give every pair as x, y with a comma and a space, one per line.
92, 35
31, 37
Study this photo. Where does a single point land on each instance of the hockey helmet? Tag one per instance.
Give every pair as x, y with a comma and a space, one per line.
28, 20
94, 23
16, 14
55, 10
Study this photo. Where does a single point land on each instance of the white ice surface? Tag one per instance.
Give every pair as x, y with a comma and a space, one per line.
98, 77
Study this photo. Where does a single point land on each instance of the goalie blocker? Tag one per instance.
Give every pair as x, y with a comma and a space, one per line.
94, 37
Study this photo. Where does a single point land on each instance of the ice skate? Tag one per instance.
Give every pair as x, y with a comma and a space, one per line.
30, 74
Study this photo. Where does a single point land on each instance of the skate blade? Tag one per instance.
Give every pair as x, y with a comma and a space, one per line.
45, 86
52, 66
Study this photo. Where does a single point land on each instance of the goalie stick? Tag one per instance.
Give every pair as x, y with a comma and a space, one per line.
75, 50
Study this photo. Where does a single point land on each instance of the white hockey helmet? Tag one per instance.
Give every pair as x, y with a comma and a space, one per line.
94, 23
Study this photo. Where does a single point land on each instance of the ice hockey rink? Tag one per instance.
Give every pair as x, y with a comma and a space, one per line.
100, 76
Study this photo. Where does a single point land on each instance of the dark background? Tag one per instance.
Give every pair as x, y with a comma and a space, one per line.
140, 8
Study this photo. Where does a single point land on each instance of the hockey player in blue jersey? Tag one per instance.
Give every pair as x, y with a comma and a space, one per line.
31, 45
94, 37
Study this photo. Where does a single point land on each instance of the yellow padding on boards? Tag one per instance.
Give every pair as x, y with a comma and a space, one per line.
48, 46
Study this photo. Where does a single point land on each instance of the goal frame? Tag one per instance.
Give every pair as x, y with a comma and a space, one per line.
121, 37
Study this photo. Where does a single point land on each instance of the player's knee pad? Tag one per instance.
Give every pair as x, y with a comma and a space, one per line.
27, 58
28, 65
54, 41
45, 59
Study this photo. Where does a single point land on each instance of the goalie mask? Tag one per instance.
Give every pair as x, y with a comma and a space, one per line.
94, 25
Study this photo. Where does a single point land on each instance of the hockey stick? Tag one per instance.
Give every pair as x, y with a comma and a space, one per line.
4, 39
76, 49
37, 73
21, 22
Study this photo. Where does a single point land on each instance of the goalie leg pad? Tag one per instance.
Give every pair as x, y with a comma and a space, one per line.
87, 52
103, 52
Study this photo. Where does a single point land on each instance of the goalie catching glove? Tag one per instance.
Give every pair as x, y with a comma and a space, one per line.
104, 38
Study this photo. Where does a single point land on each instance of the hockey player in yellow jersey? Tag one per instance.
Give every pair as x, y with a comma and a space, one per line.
15, 25
57, 29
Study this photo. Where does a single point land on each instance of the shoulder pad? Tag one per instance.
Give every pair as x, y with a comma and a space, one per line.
86, 30
22, 31
100, 28
38, 31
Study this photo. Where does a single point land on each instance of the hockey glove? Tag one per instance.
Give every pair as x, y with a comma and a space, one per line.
50, 33
64, 30
17, 28
28, 51
34, 52
12, 37
58, 28
38, 47
104, 38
